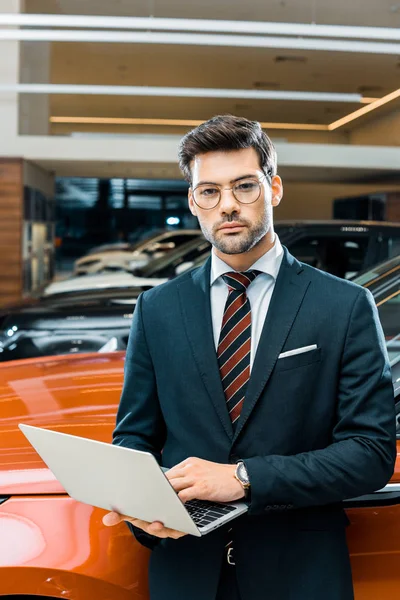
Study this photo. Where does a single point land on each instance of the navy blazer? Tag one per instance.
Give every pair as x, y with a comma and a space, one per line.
315, 429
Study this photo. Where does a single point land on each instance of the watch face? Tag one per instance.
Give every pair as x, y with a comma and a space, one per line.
242, 473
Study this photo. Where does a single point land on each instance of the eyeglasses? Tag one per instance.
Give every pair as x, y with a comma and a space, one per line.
245, 191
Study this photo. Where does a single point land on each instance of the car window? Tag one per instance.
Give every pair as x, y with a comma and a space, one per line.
389, 311
342, 257
379, 274
393, 246
32, 344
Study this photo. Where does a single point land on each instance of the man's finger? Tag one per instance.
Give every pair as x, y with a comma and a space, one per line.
112, 518
156, 528
189, 493
180, 483
175, 472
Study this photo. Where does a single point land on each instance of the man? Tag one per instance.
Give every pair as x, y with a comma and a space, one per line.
255, 377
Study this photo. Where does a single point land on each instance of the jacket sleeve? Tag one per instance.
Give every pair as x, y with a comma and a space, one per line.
362, 454
140, 424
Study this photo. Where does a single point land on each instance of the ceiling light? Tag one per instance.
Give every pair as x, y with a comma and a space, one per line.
364, 110
178, 92
187, 39
201, 25
173, 122
265, 125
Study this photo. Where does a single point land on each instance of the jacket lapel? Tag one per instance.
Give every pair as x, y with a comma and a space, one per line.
194, 296
288, 294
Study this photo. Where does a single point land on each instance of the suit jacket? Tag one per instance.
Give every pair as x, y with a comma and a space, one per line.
315, 429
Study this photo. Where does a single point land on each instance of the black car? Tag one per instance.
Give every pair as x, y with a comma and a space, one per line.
383, 281
94, 321
342, 248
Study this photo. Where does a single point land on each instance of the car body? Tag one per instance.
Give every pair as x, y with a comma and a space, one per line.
137, 255
93, 321
156, 272
52, 545
58, 547
101, 281
342, 248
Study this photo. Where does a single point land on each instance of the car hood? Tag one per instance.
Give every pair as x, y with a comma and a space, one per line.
102, 281
77, 395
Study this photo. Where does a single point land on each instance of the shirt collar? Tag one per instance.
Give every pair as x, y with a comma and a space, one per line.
269, 263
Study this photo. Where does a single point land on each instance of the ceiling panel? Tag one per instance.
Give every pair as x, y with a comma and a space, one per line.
385, 13
246, 68
198, 108
221, 67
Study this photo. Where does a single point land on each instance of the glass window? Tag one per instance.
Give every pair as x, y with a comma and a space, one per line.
32, 344
389, 313
342, 257
394, 246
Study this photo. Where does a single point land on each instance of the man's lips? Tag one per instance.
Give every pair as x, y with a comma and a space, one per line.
231, 226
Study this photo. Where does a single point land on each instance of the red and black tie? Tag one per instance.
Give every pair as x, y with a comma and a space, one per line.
235, 341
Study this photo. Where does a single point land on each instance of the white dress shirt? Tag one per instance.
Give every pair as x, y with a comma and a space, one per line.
259, 292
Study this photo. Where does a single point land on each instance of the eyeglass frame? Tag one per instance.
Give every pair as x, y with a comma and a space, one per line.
221, 189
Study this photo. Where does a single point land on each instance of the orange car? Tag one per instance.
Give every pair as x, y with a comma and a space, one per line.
54, 546
50, 544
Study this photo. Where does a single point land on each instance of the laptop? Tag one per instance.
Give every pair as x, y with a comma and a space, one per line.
130, 482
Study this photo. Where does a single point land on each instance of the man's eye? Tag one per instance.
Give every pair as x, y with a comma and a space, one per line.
209, 191
246, 186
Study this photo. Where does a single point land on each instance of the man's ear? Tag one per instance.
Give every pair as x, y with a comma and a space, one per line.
191, 202
277, 190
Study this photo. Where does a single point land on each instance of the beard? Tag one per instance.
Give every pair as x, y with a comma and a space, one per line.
241, 242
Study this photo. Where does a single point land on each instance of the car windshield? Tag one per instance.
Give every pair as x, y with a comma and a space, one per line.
33, 344
383, 281
380, 275
165, 267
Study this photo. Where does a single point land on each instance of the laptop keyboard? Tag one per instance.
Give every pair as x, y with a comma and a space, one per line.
203, 512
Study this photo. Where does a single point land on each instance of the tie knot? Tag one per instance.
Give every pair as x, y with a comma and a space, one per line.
239, 281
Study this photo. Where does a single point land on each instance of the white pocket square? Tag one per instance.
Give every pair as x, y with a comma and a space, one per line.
298, 351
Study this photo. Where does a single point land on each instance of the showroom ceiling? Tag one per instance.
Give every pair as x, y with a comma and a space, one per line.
371, 75
373, 13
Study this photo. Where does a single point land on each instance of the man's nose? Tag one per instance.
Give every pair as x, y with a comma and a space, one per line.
228, 202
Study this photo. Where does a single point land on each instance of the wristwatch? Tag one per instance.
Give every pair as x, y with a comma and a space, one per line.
243, 478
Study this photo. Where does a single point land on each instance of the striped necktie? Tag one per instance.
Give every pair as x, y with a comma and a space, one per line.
235, 341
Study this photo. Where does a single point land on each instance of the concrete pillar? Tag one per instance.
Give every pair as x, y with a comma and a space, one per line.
34, 109
11, 177
9, 74
25, 263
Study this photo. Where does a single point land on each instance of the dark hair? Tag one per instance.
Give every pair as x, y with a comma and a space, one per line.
226, 133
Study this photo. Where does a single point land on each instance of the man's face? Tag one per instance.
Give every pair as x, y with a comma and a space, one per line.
233, 227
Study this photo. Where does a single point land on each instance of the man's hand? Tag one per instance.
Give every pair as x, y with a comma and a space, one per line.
205, 480
157, 529
192, 478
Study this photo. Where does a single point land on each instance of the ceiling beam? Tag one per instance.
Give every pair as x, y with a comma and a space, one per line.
181, 92
201, 25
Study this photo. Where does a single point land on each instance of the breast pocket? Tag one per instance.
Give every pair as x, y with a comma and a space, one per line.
298, 360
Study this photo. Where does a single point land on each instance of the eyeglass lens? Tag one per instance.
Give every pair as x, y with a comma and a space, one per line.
245, 191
